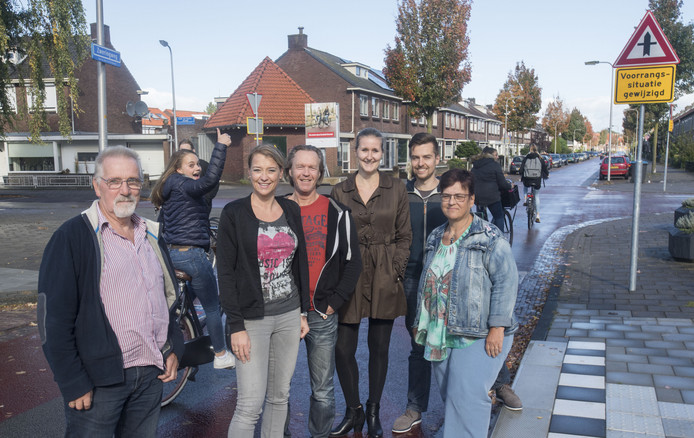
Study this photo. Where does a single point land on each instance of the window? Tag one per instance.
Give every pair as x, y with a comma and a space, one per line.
448, 150
31, 157
12, 97
447, 123
375, 104
435, 119
343, 155
474, 123
386, 109
422, 120
51, 102
363, 105
396, 111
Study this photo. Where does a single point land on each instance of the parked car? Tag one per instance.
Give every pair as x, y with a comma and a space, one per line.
548, 160
573, 158
564, 159
556, 160
619, 167
515, 165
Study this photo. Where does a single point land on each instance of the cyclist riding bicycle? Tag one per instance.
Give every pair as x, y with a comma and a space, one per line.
533, 170
489, 182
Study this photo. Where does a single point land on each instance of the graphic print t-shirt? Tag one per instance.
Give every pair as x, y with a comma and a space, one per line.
314, 219
276, 247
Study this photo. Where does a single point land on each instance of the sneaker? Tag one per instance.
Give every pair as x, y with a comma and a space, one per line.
227, 360
509, 398
537, 219
406, 421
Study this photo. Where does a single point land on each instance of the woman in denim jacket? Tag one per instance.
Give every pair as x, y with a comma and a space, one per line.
466, 297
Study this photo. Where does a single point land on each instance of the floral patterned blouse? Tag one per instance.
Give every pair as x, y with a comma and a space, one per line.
433, 319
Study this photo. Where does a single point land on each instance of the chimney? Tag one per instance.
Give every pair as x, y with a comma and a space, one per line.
298, 41
107, 34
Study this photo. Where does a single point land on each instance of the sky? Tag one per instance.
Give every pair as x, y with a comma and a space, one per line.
217, 43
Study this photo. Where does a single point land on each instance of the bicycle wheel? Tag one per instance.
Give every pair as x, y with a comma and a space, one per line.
531, 213
171, 389
212, 253
508, 227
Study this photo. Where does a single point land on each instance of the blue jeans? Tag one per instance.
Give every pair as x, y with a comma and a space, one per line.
419, 369
266, 377
127, 409
195, 263
464, 380
497, 211
320, 349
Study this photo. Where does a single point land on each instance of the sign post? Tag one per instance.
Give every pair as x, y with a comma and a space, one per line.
645, 74
254, 100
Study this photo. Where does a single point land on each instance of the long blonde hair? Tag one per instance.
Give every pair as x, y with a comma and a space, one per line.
175, 163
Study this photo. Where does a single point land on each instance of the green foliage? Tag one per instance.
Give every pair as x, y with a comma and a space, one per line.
211, 108
523, 94
686, 223
51, 38
577, 126
456, 163
562, 146
525, 150
681, 37
428, 65
556, 119
681, 150
467, 149
688, 203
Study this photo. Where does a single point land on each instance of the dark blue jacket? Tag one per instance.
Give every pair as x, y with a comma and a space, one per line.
489, 180
185, 211
78, 341
422, 225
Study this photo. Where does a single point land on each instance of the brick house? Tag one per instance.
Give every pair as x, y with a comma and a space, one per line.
281, 108
21, 160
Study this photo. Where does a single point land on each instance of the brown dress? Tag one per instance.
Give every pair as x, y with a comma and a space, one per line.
385, 235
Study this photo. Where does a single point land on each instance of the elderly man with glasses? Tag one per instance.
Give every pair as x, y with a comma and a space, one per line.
105, 287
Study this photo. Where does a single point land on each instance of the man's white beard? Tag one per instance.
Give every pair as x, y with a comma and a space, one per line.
124, 209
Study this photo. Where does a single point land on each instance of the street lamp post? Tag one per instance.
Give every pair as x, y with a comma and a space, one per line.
609, 130
173, 93
555, 137
506, 127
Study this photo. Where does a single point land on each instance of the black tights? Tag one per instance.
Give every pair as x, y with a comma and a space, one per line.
346, 362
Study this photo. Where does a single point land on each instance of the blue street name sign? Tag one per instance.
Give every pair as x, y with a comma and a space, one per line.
105, 55
185, 120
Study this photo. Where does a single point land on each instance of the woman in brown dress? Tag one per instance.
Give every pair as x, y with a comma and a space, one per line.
382, 215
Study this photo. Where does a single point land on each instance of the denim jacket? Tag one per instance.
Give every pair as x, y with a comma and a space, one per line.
484, 282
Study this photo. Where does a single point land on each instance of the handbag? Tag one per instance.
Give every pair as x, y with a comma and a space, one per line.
509, 198
198, 351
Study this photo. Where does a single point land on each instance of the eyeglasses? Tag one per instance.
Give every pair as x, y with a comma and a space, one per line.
459, 197
116, 183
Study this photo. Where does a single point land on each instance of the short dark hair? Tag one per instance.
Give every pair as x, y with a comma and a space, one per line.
368, 132
304, 147
187, 141
421, 138
461, 176
488, 150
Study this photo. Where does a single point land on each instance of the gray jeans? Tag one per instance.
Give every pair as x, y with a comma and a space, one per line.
266, 378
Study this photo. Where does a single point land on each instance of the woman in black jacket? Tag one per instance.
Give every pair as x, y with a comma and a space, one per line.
264, 288
180, 193
489, 181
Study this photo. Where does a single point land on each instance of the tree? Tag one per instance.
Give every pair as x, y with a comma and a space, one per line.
523, 94
428, 65
467, 149
576, 127
44, 38
556, 119
211, 108
588, 135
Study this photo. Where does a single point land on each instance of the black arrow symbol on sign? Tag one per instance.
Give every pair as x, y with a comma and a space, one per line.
647, 44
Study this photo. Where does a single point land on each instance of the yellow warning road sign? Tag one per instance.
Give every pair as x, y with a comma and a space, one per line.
650, 84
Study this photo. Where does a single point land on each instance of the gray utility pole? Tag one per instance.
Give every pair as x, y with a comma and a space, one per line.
637, 207
101, 79
173, 93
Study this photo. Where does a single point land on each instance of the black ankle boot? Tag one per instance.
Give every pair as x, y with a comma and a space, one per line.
354, 419
373, 422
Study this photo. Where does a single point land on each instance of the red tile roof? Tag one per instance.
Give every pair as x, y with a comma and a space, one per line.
282, 102
151, 120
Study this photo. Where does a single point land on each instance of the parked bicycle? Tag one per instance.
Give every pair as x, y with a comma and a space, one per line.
198, 347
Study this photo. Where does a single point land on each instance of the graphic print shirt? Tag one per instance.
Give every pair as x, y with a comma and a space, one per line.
276, 247
314, 218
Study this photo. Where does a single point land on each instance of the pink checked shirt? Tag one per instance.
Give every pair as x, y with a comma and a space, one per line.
132, 290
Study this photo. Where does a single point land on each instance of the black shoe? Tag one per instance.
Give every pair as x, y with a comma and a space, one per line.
354, 419
373, 423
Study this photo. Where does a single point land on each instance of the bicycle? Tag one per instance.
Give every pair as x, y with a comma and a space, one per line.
198, 347
508, 220
531, 208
